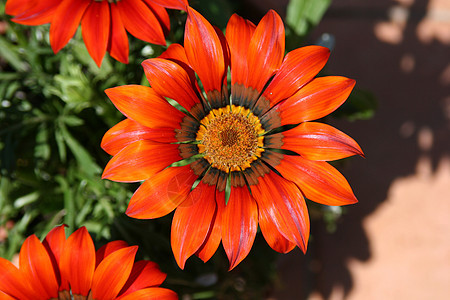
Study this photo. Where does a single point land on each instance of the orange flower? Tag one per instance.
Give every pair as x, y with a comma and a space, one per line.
257, 143
58, 268
104, 23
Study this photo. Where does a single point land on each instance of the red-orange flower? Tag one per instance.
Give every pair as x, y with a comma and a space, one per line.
257, 143
59, 268
104, 23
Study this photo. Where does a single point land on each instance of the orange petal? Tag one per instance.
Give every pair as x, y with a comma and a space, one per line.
176, 53
65, 22
140, 21
151, 293
282, 202
95, 28
4, 296
14, 283
32, 12
174, 4
129, 131
162, 193
266, 50
239, 225
318, 180
170, 80
143, 105
298, 68
317, 141
140, 161
112, 273
204, 51
37, 267
191, 224
54, 244
315, 100
239, 33
212, 241
118, 41
161, 14
271, 234
107, 249
77, 261
144, 274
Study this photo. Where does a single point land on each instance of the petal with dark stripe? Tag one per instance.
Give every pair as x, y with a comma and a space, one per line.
144, 274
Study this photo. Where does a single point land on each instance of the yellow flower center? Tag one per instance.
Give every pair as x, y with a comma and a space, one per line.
230, 138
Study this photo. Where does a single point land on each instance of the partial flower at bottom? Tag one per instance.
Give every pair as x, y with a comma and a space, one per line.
228, 158
60, 268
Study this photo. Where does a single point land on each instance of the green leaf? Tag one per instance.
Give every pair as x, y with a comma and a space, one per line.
301, 17
9, 53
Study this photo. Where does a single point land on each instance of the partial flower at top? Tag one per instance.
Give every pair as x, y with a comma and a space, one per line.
247, 157
60, 268
104, 23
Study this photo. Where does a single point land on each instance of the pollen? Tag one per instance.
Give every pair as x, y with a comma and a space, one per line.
230, 138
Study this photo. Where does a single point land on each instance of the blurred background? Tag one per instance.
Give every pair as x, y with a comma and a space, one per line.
393, 244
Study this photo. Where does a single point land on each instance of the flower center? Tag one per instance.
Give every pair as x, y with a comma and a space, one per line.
230, 138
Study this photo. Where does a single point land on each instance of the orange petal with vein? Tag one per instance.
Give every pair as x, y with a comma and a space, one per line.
118, 42
140, 21
298, 68
162, 193
95, 29
54, 244
212, 241
28, 12
266, 50
112, 273
239, 33
170, 80
204, 51
37, 267
191, 224
315, 100
107, 249
77, 262
129, 131
272, 236
65, 22
174, 4
282, 202
239, 225
151, 293
318, 141
318, 180
140, 161
143, 105
144, 274
14, 283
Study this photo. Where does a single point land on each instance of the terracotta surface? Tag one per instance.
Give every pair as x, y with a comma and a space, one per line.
395, 243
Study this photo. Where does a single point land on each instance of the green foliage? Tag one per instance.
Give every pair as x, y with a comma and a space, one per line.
301, 17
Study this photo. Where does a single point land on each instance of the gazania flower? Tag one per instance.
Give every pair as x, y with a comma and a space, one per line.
104, 23
257, 144
59, 268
